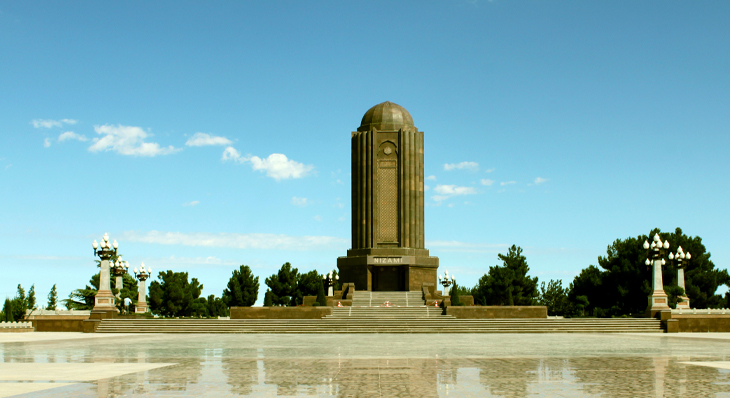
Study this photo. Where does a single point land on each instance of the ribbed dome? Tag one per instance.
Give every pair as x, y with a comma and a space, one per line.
386, 116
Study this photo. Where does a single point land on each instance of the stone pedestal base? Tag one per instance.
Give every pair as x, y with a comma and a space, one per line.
105, 301
684, 304
141, 308
388, 269
657, 302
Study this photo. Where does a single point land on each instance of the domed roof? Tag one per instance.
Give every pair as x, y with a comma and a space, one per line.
386, 116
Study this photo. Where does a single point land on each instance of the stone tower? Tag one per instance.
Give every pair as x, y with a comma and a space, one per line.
388, 250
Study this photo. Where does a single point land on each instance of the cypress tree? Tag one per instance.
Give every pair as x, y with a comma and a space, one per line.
321, 299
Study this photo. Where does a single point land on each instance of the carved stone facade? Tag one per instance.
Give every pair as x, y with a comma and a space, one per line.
388, 250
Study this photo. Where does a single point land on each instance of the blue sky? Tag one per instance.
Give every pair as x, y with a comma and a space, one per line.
202, 136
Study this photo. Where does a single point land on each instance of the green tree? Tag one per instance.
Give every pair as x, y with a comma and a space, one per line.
7, 313
83, 299
242, 289
52, 298
173, 295
216, 307
622, 284
321, 298
19, 304
308, 285
554, 297
268, 300
30, 300
507, 284
283, 286
454, 293
130, 290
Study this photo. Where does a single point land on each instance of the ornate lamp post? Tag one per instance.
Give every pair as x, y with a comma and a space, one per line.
658, 298
142, 275
682, 259
119, 269
446, 282
329, 282
104, 299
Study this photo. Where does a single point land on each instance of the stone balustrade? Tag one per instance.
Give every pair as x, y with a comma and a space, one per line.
704, 311
16, 325
30, 313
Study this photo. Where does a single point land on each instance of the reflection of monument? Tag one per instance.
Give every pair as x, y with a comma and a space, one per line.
388, 250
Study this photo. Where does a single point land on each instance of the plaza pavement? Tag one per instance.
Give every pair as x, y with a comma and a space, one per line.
365, 365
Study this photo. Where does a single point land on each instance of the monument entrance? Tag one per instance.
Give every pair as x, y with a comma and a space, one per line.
388, 252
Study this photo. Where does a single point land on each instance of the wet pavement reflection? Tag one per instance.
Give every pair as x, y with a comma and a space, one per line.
511, 365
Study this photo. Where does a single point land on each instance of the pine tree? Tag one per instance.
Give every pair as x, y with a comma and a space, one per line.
268, 301
52, 298
321, 299
30, 300
242, 289
455, 300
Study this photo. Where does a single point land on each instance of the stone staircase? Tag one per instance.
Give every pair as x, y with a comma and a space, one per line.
377, 299
368, 314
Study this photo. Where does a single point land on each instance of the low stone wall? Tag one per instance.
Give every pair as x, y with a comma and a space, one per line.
60, 323
698, 323
279, 312
488, 312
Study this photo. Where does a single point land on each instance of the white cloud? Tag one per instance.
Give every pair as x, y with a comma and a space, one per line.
46, 143
487, 182
301, 202
127, 140
432, 178
237, 241
48, 123
447, 191
190, 204
489, 170
203, 139
70, 135
276, 166
317, 218
426, 188
473, 166
8, 166
230, 153
540, 180
507, 183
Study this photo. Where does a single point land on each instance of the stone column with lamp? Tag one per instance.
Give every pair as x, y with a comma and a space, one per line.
658, 299
104, 301
682, 259
119, 269
142, 276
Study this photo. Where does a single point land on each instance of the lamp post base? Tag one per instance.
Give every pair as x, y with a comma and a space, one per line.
105, 301
684, 304
657, 302
141, 308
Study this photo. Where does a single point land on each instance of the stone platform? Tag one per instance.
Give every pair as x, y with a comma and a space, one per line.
382, 365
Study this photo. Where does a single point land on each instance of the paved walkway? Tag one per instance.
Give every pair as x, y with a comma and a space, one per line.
354, 365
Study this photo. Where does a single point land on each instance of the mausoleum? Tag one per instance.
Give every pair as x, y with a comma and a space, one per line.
388, 251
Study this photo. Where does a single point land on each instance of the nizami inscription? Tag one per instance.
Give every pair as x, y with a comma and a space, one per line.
388, 260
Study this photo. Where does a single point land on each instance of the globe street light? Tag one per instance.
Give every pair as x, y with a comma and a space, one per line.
682, 259
119, 269
142, 275
104, 299
658, 299
446, 282
329, 282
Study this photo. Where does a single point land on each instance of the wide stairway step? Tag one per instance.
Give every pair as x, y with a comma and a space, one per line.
349, 324
376, 299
